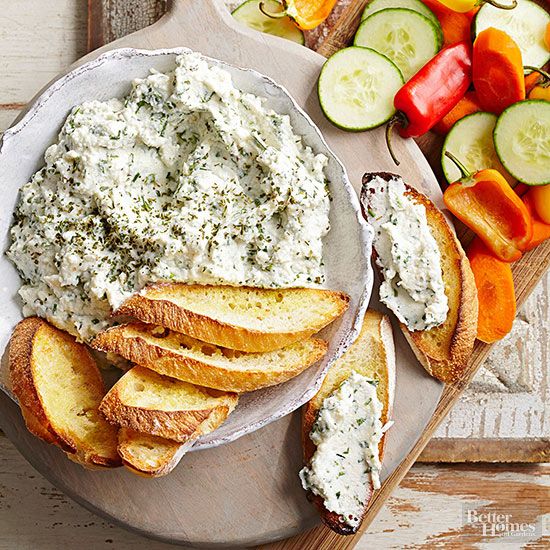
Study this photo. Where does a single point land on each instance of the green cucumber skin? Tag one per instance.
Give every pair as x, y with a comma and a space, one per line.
424, 9
450, 135
433, 19
243, 21
319, 94
499, 153
436, 30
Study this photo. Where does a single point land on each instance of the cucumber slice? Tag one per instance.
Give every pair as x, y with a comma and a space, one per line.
526, 24
408, 38
249, 13
415, 5
356, 88
471, 141
522, 141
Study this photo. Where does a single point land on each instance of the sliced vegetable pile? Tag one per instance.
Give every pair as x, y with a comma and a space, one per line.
474, 74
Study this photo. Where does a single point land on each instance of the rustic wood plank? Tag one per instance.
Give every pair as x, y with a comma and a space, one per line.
37, 515
534, 450
112, 19
37, 41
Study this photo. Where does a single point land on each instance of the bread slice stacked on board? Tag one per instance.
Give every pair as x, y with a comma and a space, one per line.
193, 349
338, 475
444, 346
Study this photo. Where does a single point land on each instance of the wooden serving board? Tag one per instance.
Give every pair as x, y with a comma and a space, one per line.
247, 492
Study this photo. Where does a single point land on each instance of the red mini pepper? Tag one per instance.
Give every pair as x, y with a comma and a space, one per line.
432, 92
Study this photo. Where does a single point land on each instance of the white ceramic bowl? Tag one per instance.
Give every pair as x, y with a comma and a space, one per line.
347, 247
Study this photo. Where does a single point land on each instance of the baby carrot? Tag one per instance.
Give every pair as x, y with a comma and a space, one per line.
495, 291
466, 106
497, 70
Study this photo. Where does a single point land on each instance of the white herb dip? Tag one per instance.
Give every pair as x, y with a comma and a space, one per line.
408, 256
186, 179
347, 433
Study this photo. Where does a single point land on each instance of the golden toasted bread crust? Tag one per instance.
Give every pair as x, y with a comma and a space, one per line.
374, 332
174, 425
22, 362
36, 428
444, 351
172, 364
180, 425
149, 455
166, 313
460, 328
20, 354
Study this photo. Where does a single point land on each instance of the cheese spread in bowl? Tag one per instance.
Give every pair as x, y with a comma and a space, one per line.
187, 178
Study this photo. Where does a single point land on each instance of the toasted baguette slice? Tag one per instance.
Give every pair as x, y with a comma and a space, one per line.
185, 358
444, 350
36, 428
59, 388
371, 355
149, 455
241, 318
150, 403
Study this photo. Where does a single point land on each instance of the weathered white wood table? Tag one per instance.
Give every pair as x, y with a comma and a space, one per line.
37, 39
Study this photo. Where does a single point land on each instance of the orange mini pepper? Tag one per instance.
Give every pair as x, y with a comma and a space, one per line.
465, 6
456, 27
486, 203
531, 80
541, 230
307, 14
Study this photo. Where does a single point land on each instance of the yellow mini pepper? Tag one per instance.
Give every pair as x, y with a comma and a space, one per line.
307, 14
462, 6
541, 88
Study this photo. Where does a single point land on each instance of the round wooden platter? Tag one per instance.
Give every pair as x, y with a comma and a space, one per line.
246, 492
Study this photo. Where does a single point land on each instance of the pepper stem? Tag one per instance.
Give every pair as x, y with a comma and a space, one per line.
397, 118
544, 74
501, 6
271, 15
464, 173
